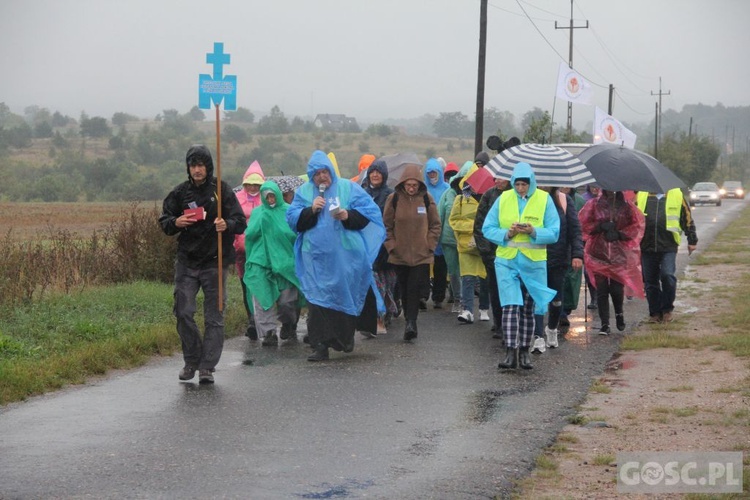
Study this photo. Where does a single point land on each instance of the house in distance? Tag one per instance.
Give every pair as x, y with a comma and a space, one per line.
336, 123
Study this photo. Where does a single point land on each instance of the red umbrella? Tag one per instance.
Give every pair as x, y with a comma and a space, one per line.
480, 181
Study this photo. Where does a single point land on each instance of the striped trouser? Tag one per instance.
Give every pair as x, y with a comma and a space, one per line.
518, 323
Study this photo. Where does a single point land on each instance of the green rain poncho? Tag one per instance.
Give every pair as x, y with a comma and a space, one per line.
269, 247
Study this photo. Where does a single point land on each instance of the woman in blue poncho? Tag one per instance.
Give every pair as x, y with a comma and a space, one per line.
339, 232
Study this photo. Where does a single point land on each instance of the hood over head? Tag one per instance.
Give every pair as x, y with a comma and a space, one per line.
482, 158
381, 167
412, 171
199, 152
319, 160
271, 187
524, 171
254, 174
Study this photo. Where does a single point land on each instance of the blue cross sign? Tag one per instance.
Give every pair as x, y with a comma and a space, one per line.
217, 87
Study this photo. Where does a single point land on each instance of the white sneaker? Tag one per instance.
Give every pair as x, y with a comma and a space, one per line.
484, 315
539, 345
456, 307
466, 317
551, 336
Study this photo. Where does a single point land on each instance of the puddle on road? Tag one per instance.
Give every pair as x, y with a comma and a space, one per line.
484, 404
339, 490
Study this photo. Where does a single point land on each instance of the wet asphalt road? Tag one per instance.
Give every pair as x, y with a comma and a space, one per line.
433, 419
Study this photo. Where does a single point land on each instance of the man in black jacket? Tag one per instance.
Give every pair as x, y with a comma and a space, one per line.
191, 211
667, 215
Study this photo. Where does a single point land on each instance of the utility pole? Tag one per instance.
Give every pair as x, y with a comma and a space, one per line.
610, 101
658, 118
656, 130
570, 60
479, 119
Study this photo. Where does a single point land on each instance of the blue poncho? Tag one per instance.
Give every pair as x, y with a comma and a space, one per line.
334, 264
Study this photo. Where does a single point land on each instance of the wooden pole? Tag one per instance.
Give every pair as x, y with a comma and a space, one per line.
218, 210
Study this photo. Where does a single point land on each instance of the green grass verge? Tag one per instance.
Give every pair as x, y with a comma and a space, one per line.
65, 339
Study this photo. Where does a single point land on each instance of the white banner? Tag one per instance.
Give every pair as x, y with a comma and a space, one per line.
609, 130
572, 87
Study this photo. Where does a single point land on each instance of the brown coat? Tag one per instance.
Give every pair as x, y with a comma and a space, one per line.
412, 231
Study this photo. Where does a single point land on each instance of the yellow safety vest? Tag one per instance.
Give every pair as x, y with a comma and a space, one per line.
533, 214
673, 208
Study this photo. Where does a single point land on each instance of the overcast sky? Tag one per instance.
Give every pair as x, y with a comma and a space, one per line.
371, 59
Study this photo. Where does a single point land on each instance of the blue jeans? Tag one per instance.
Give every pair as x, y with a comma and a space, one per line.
467, 293
660, 281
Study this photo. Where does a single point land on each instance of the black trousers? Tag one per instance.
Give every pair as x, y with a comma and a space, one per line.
606, 287
411, 282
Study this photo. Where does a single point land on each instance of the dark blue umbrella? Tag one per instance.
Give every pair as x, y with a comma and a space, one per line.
618, 168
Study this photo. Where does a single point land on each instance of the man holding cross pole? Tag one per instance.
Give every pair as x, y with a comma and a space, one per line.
192, 211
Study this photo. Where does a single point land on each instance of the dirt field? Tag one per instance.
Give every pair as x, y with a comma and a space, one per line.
695, 399
23, 221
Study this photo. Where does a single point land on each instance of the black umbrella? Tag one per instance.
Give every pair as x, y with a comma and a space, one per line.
618, 168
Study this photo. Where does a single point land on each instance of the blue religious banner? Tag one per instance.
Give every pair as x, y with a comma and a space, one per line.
217, 87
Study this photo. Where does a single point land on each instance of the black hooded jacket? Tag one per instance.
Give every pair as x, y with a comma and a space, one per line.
197, 245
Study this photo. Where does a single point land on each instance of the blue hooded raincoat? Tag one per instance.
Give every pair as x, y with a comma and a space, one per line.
334, 264
512, 272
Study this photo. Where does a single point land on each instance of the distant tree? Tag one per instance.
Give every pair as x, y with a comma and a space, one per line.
501, 123
116, 142
455, 124
19, 136
692, 159
59, 141
177, 124
235, 133
240, 115
534, 115
275, 123
43, 130
95, 127
380, 130
537, 127
196, 114
120, 119
58, 120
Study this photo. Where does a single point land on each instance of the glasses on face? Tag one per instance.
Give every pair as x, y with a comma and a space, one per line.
413, 185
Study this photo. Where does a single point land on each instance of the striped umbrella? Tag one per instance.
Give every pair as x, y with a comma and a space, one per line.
552, 165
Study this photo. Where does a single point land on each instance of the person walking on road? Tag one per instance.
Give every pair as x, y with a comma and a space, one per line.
412, 230
667, 216
613, 228
339, 232
196, 265
249, 197
522, 222
271, 283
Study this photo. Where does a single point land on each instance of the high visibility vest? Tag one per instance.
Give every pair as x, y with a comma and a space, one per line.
533, 214
673, 210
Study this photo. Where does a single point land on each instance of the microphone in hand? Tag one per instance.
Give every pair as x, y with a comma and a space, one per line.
322, 189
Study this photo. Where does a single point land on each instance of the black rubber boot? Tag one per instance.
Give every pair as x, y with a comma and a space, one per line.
510, 361
524, 360
320, 354
410, 332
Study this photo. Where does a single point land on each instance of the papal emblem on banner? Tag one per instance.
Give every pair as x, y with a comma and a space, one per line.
572, 87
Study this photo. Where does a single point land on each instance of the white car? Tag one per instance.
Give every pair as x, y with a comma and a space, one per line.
705, 193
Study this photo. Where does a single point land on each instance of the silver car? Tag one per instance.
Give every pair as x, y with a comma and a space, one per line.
705, 193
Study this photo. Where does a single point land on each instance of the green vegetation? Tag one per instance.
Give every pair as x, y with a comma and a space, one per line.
65, 339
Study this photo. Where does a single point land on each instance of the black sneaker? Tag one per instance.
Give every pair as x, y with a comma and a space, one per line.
251, 333
620, 321
187, 372
205, 377
604, 330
